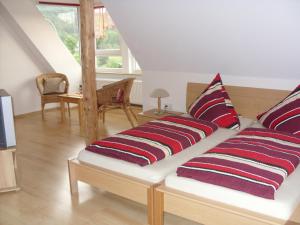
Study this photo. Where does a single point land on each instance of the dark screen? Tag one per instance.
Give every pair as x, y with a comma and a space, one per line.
2, 129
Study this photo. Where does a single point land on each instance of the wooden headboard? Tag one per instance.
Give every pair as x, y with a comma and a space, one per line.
248, 102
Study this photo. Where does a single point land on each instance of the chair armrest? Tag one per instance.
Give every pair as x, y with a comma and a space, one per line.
113, 89
117, 84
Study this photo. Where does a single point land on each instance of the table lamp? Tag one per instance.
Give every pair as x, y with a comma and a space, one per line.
159, 93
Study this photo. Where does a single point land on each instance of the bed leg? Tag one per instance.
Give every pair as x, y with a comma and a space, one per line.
150, 205
72, 178
159, 207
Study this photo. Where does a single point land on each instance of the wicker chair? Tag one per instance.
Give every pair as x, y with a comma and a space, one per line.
116, 96
51, 97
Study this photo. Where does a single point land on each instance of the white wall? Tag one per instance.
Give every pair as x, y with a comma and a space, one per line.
250, 42
176, 82
31, 47
17, 72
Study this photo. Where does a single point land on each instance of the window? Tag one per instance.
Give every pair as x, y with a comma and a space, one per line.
112, 53
64, 20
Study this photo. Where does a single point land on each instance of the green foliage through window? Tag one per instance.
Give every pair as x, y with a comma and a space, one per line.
109, 41
65, 22
105, 62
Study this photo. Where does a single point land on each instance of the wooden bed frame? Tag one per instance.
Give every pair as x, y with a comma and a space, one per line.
206, 211
247, 101
125, 186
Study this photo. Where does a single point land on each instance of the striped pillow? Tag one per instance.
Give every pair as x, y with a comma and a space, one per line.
285, 116
214, 105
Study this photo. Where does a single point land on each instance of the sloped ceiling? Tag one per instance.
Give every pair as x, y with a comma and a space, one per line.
39, 36
242, 38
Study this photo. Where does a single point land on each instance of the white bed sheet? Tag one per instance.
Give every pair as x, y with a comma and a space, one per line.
156, 172
286, 200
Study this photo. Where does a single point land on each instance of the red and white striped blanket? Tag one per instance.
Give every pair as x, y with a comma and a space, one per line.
154, 140
255, 161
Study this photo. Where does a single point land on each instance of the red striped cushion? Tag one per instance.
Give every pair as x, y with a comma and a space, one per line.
120, 95
214, 105
285, 116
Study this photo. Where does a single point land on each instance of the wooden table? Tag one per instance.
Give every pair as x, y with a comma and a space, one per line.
72, 98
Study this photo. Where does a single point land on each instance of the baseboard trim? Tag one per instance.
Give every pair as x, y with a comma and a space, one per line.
40, 111
53, 109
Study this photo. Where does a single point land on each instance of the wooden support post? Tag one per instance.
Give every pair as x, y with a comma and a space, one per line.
88, 68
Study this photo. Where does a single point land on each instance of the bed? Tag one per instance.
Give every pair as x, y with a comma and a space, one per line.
210, 204
138, 187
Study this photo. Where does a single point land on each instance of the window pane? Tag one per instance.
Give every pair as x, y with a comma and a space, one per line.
105, 62
65, 21
106, 33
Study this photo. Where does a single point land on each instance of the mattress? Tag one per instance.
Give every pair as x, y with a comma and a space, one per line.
156, 172
286, 200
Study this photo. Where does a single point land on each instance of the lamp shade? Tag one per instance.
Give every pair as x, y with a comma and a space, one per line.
159, 92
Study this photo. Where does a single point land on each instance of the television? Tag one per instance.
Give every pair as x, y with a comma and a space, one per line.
7, 126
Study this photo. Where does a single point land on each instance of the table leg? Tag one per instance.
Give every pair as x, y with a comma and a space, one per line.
80, 114
62, 110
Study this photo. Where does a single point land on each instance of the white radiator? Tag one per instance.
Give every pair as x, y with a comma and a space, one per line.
136, 91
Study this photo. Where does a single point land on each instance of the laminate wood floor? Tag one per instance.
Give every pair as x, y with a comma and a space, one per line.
43, 148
